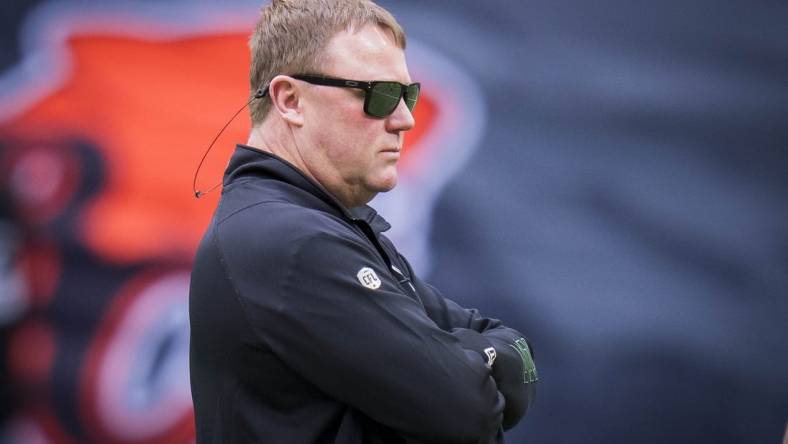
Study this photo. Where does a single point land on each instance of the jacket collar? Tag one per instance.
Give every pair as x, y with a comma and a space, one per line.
249, 161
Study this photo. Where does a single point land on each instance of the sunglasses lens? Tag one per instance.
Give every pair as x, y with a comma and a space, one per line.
384, 98
412, 95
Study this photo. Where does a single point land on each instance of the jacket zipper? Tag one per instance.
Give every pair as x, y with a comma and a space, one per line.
403, 281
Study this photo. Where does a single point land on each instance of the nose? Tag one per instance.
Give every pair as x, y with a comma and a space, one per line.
401, 119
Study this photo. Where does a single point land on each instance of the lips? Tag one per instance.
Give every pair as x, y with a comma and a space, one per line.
391, 153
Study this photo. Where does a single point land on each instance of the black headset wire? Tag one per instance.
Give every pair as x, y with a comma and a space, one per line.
198, 194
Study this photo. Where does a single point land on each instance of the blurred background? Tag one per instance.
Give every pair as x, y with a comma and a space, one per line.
609, 177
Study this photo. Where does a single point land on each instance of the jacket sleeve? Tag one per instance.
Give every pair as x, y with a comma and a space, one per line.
513, 369
328, 307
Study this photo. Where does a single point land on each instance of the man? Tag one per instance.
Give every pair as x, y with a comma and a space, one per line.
307, 325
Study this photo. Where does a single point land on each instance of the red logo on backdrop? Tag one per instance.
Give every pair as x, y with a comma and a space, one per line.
98, 157
135, 386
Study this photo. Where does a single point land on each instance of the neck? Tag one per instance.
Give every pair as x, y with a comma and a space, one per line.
273, 136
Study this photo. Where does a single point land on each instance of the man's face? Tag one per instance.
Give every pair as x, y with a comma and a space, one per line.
350, 153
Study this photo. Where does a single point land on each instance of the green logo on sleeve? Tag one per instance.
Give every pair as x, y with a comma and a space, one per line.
529, 369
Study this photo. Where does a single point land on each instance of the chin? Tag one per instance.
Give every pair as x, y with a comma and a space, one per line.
385, 184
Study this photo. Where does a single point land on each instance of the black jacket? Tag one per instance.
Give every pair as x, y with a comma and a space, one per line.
308, 327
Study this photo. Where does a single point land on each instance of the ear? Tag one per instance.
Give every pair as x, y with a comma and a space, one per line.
286, 99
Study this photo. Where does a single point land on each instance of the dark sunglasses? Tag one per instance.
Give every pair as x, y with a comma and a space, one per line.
380, 97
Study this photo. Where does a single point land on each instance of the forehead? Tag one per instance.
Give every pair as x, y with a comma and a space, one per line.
368, 53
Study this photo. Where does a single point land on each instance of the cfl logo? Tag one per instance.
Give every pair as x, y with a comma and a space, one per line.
491, 355
368, 278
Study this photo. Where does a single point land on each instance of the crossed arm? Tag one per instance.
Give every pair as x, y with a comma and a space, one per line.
420, 370
513, 369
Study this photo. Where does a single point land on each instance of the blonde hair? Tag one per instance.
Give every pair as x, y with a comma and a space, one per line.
291, 35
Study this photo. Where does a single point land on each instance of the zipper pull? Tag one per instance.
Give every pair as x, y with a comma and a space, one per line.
402, 278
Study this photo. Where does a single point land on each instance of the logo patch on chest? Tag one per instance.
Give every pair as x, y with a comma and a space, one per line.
368, 278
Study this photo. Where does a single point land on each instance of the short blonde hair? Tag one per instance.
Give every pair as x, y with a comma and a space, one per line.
291, 35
